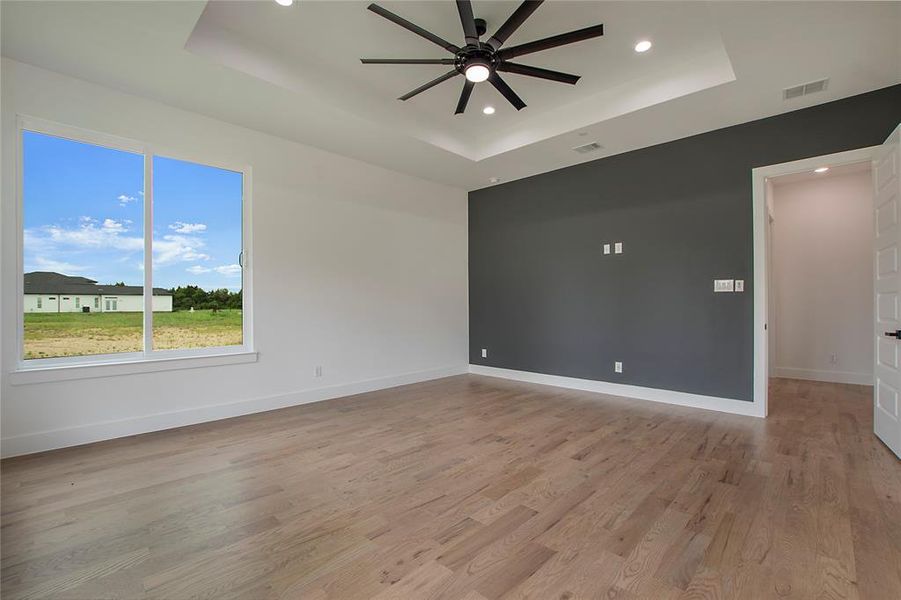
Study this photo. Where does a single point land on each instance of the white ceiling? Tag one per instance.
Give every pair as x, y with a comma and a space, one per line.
834, 171
317, 47
294, 72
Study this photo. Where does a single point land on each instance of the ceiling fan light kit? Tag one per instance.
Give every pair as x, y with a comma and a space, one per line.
480, 61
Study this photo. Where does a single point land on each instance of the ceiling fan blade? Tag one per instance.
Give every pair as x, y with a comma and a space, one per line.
513, 22
509, 67
464, 7
430, 84
413, 27
464, 97
552, 42
506, 91
407, 61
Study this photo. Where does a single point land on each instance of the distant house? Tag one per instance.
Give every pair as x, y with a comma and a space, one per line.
48, 292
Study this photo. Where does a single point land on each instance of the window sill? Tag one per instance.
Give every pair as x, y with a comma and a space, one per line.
42, 374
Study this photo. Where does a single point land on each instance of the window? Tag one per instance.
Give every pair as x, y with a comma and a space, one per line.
85, 201
198, 258
77, 234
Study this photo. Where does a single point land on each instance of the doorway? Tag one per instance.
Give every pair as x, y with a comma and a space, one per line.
766, 245
820, 238
884, 267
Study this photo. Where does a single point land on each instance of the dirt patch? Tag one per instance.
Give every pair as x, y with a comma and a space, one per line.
171, 338
86, 343
90, 342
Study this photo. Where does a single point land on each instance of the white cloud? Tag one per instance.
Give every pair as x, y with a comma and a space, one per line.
179, 227
178, 248
197, 269
125, 200
86, 235
229, 270
48, 264
111, 234
112, 226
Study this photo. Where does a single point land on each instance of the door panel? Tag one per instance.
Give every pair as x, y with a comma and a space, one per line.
887, 306
887, 184
887, 353
887, 260
887, 400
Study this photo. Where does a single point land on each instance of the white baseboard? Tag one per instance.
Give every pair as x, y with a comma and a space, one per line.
826, 376
728, 405
95, 432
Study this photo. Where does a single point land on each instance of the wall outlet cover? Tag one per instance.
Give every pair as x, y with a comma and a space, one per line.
618, 248
723, 285
618, 367
739, 285
484, 352
606, 248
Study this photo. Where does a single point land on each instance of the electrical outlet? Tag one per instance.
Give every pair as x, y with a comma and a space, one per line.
833, 358
617, 367
723, 285
618, 248
484, 352
317, 372
739, 285
606, 248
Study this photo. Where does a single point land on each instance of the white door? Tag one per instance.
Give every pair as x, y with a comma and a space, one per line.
887, 183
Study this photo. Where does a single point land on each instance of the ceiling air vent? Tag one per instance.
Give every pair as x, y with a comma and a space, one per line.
804, 89
586, 148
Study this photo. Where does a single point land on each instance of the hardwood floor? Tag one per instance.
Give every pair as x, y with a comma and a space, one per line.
469, 488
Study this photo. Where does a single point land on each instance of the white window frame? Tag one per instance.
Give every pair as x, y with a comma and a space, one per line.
102, 365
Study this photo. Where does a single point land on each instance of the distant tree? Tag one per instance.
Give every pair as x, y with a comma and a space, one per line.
192, 296
119, 284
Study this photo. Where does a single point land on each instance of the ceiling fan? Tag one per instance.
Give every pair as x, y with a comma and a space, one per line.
482, 61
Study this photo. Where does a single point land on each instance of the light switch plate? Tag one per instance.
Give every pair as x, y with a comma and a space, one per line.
484, 352
606, 248
723, 285
739, 285
618, 248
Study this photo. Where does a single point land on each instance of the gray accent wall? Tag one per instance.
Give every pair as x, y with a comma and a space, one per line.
543, 298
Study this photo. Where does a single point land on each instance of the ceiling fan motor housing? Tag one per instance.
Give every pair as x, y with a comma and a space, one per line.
469, 56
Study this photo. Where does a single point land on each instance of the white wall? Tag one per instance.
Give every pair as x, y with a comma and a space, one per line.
160, 303
822, 278
356, 268
124, 303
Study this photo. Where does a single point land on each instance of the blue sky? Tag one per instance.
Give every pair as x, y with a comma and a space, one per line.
84, 216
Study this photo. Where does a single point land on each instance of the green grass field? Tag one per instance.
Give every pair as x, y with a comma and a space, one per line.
77, 334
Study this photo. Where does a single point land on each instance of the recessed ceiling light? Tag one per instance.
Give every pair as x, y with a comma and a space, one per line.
643, 46
488, 110
495, 180
285, 2
821, 170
